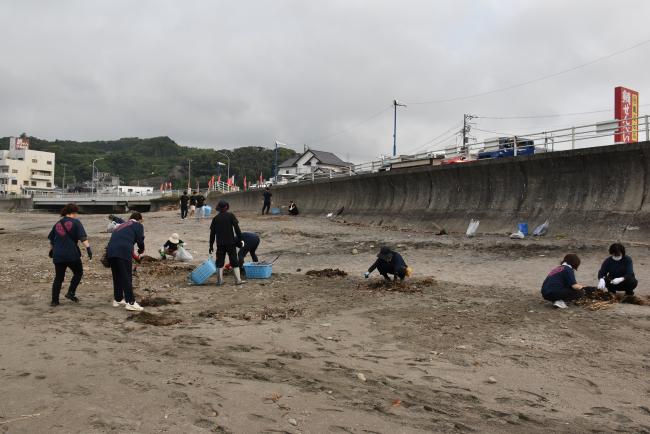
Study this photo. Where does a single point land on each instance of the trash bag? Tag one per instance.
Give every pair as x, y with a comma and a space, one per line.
111, 227
519, 235
183, 255
541, 230
472, 228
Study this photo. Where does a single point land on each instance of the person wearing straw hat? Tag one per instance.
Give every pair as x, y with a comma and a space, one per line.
171, 246
225, 230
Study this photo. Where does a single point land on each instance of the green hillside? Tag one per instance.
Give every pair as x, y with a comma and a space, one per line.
154, 160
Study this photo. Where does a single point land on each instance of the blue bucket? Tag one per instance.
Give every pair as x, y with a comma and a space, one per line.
275, 211
523, 228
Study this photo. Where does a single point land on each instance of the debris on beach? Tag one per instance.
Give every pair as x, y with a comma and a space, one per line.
327, 272
152, 301
599, 299
408, 286
154, 319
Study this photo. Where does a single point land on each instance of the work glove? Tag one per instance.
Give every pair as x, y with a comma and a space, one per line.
601, 284
140, 251
210, 250
90, 253
617, 280
366, 274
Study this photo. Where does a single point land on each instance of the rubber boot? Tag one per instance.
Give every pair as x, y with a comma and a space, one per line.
220, 277
237, 273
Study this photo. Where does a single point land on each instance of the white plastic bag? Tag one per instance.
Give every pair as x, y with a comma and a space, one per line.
183, 255
541, 230
519, 235
472, 228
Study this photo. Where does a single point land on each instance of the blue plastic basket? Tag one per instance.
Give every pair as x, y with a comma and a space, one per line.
207, 210
258, 270
203, 272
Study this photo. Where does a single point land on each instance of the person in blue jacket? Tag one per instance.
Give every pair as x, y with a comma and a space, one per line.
120, 256
560, 285
388, 262
65, 253
617, 271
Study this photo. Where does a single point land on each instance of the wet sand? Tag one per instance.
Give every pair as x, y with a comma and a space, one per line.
468, 346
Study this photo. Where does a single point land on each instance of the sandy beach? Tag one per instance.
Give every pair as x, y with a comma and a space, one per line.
468, 345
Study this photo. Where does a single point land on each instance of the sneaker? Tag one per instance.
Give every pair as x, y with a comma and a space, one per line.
560, 304
72, 297
241, 282
119, 303
134, 307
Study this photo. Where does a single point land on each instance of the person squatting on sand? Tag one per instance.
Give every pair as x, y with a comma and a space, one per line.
617, 272
389, 262
171, 246
120, 256
65, 253
560, 285
224, 229
293, 208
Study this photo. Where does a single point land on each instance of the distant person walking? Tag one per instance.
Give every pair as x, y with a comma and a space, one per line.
617, 271
185, 200
224, 229
200, 202
267, 201
192, 203
65, 252
120, 256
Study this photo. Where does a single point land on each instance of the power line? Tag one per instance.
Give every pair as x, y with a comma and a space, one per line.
527, 82
350, 128
555, 115
456, 125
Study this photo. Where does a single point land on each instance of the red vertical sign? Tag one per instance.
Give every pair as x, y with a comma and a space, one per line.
626, 111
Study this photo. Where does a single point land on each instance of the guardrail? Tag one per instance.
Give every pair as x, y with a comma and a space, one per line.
545, 141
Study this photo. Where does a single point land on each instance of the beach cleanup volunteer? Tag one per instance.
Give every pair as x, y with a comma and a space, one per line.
120, 257
617, 271
224, 229
389, 262
65, 253
560, 285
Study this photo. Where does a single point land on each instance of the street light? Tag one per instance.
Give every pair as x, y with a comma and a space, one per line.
92, 187
225, 155
63, 181
395, 105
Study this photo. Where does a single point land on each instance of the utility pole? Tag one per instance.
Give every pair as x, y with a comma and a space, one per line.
63, 180
189, 175
275, 168
395, 105
466, 129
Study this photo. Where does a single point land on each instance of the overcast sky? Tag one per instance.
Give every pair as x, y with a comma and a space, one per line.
228, 74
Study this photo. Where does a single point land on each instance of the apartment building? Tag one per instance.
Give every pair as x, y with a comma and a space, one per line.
23, 171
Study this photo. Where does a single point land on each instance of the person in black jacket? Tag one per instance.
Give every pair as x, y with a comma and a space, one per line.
266, 207
249, 243
617, 271
120, 256
388, 262
200, 202
65, 252
185, 200
293, 208
224, 229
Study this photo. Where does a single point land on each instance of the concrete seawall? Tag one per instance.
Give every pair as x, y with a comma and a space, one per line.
599, 193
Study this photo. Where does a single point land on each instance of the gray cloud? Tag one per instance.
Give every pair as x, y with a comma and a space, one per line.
214, 73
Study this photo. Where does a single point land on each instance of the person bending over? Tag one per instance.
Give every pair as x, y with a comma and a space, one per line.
560, 285
224, 229
617, 271
249, 242
120, 257
388, 262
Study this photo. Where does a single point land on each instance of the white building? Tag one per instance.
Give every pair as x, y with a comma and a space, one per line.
312, 161
23, 171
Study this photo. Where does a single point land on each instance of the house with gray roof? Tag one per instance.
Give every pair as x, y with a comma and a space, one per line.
312, 161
